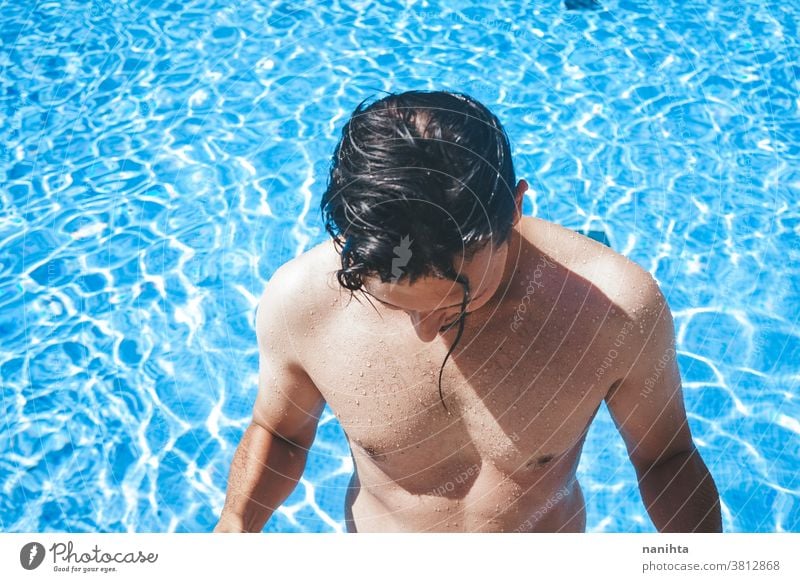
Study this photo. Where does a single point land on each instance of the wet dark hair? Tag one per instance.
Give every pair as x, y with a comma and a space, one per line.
431, 167
418, 180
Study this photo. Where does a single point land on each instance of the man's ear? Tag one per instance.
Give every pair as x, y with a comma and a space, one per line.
522, 187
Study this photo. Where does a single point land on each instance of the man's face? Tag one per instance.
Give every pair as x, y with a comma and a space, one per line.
435, 304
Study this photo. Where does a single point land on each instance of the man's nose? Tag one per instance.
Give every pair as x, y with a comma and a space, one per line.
427, 325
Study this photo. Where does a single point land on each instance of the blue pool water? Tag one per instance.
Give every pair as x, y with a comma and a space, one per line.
159, 160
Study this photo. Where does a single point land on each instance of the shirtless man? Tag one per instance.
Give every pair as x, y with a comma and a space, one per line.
464, 348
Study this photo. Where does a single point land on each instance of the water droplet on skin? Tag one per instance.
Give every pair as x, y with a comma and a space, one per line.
369, 364
361, 374
356, 402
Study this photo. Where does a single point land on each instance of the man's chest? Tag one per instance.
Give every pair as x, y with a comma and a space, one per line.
515, 399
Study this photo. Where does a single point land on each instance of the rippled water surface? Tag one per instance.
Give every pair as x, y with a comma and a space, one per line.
158, 161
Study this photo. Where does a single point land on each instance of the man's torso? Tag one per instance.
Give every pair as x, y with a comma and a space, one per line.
522, 388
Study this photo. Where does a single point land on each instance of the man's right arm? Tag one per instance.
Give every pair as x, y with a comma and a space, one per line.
272, 454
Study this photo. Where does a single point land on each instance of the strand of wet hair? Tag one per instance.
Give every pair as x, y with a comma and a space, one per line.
462, 316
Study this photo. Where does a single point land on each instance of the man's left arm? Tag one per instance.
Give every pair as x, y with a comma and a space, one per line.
646, 404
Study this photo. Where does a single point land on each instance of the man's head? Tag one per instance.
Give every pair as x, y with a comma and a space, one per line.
422, 189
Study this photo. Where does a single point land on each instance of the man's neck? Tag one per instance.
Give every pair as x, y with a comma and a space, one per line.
513, 257
510, 266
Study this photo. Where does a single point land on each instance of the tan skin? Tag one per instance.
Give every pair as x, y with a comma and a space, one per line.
548, 309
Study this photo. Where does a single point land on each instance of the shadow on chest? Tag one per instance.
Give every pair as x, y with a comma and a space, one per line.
507, 405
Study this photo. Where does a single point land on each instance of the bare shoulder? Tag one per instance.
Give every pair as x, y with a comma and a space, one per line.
300, 286
627, 284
